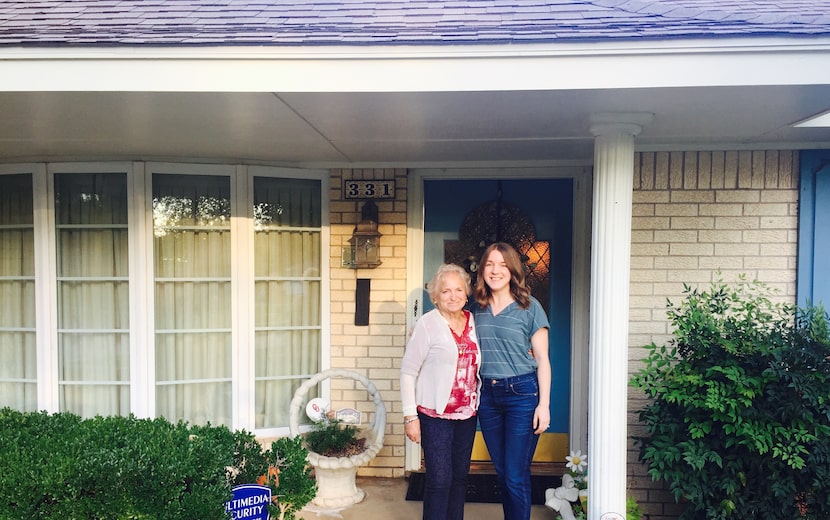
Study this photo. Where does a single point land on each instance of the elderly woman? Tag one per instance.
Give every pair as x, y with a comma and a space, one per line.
440, 386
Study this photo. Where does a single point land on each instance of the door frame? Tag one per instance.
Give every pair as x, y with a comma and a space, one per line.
580, 275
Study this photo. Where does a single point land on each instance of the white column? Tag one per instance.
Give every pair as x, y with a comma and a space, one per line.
610, 265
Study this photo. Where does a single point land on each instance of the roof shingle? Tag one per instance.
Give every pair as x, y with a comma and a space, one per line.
366, 22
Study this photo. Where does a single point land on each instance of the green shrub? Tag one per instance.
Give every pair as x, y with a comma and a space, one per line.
62, 466
738, 421
283, 468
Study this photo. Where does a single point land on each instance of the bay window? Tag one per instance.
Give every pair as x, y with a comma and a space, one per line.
190, 292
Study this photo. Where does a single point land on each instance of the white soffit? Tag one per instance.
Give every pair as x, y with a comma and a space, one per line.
818, 121
418, 69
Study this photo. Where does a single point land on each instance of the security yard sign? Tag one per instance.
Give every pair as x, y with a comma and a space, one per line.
249, 502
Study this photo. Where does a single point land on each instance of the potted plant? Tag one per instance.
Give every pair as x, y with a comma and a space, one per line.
738, 417
334, 471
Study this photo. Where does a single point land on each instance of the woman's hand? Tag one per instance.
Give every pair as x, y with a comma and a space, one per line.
541, 420
413, 429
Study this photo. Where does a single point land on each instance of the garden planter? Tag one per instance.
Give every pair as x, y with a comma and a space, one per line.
335, 476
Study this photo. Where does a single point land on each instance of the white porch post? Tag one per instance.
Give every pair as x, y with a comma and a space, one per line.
610, 265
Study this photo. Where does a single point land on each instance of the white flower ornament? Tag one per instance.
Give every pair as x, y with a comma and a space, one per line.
576, 461
560, 499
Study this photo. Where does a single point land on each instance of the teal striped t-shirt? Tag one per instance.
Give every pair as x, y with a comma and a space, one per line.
504, 340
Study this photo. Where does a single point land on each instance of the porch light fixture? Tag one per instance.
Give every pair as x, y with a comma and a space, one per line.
364, 251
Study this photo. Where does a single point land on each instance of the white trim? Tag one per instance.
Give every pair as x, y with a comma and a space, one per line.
243, 386
141, 294
444, 68
580, 306
397, 51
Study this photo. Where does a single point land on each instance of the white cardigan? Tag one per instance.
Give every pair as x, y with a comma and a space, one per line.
429, 364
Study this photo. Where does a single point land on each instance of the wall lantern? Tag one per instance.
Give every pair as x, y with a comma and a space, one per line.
364, 252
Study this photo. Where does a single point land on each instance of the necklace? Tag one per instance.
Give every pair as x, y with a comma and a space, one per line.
460, 324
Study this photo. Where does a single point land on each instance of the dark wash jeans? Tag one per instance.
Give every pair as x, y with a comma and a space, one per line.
447, 445
505, 414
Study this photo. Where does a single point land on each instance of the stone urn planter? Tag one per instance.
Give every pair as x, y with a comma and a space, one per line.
335, 476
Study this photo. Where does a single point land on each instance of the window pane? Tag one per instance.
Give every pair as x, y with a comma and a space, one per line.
192, 251
287, 253
93, 293
18, 370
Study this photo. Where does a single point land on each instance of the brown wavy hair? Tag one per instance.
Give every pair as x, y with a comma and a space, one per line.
518, 287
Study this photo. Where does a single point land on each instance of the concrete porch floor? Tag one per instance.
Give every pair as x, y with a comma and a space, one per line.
386, 500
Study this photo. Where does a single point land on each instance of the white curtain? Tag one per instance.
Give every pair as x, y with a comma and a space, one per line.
192, 250
287, 252
93, 293
18, 370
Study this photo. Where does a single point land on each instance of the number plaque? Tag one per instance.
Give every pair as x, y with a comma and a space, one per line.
381, 189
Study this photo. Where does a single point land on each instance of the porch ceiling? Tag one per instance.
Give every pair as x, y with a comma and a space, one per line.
406, 129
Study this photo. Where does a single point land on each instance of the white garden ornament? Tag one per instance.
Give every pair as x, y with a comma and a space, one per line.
560, 499
335, 476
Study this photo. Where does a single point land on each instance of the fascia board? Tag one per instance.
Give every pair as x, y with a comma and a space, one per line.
419, 69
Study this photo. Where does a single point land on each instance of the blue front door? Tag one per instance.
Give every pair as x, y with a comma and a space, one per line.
461, 217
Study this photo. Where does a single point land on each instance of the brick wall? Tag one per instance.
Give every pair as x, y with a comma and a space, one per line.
374, 350
694, 214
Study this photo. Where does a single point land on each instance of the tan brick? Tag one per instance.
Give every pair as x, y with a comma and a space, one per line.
779, 222
676, 236
715, 210
696, 196
347, 206
729, 236
722, 262
766, 236
654, 197
737, 196
766, 209
736, 249
682, 276
647, 275
737, 223
373, 362
765, 262
650, 223
676, 262
680, 210
642, 262
642, 210
651, 302
779, 196
639, 314
649, 249
638, 327
691, 249
643, 236
779, 249
770, 276
692, 223
641, 288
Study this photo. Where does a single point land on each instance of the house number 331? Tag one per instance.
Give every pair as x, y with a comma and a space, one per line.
368, 189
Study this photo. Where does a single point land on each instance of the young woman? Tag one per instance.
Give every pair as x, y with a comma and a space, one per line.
440, 386
513, 337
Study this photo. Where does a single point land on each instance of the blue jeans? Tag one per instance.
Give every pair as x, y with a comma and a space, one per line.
505, 414
447, 445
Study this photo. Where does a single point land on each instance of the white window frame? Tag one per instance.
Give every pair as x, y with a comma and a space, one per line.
141, 276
